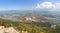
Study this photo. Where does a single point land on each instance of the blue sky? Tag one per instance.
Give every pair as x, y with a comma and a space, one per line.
5, 4
22, 4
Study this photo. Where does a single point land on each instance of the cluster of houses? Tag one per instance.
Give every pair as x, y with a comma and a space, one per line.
25, 18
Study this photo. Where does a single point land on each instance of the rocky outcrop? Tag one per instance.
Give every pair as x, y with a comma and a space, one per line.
7, 30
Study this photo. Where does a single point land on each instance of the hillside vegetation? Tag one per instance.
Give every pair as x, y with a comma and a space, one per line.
34, 27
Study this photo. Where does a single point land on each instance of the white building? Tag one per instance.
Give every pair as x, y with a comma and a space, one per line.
53, 26
28, 18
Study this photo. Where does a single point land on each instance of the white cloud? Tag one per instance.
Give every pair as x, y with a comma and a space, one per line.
48, 6
45, 5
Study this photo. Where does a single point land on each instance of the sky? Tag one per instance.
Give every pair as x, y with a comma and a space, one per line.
29, 4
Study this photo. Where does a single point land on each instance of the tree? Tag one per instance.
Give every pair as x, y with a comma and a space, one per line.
1, 22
